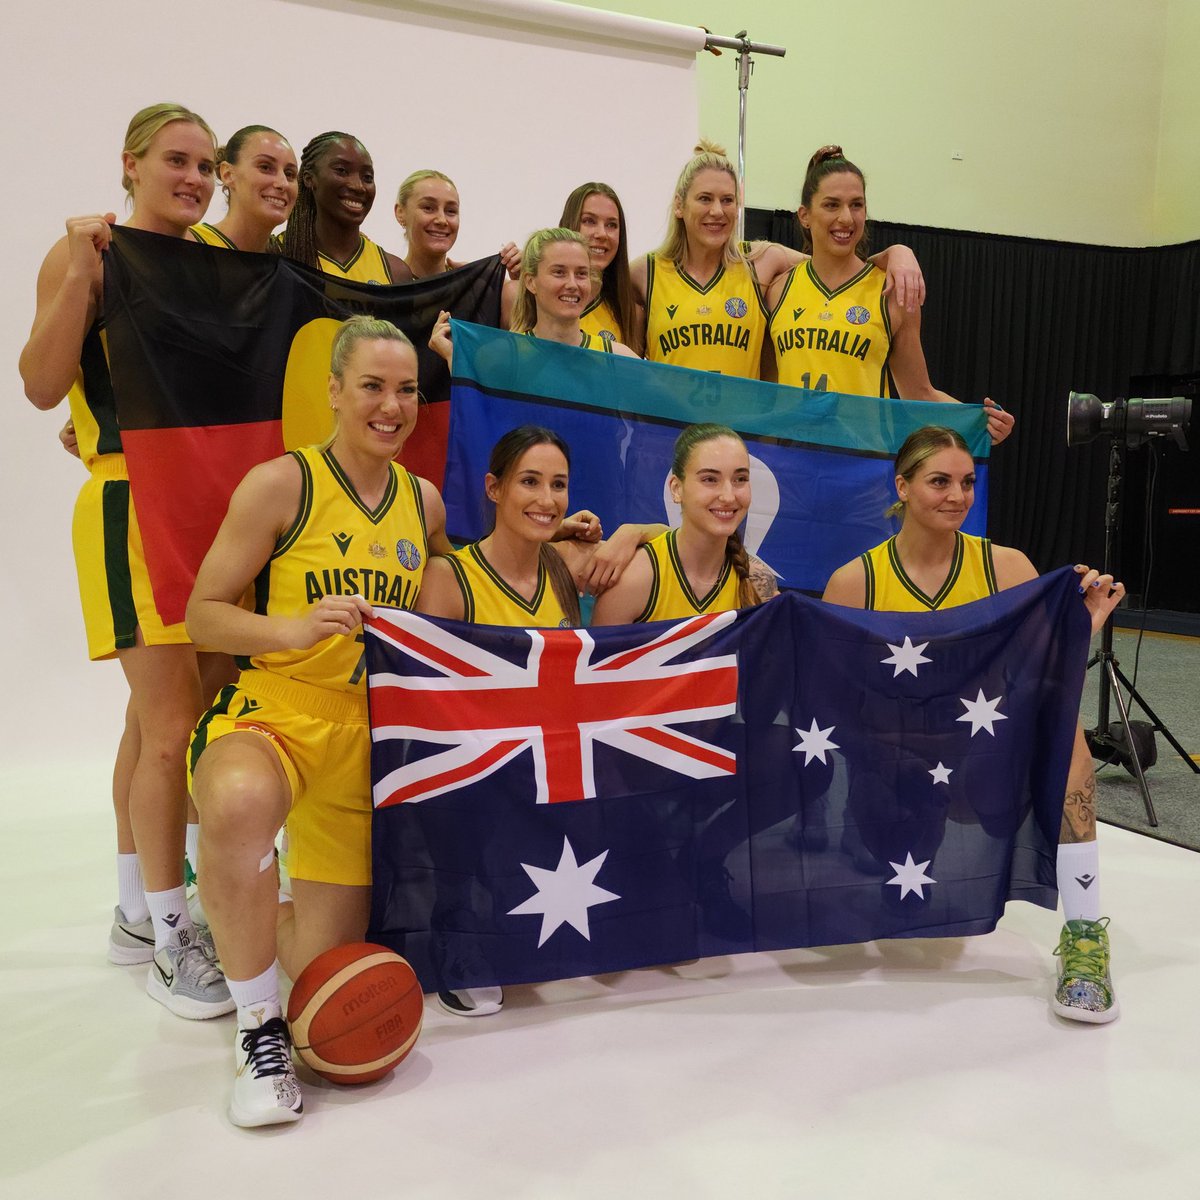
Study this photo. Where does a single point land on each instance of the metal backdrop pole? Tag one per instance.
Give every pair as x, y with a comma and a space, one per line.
745, 65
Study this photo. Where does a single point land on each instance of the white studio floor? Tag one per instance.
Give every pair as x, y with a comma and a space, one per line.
903, 1069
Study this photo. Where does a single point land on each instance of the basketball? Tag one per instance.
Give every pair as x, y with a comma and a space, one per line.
355, 1012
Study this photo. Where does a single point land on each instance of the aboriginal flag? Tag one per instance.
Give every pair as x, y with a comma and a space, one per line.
821, 463
561, 802
220, 360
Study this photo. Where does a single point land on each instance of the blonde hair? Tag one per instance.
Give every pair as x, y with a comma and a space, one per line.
524, 309
347, 336
920, 445
145, 125
707, 156
408, 186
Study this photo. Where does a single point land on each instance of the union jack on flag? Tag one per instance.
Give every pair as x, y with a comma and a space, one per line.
558, 697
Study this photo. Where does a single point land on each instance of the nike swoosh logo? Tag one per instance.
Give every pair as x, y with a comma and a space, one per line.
168, 978
137, 937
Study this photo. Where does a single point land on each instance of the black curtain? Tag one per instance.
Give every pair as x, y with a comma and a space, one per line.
1027, 321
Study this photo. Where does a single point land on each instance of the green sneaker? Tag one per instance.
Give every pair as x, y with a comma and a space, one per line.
1084, 991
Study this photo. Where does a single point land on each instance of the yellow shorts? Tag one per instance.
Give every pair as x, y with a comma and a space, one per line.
114, 587
324, 746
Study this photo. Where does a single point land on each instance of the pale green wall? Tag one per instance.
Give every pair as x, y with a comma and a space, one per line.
1177, 195
1076, 119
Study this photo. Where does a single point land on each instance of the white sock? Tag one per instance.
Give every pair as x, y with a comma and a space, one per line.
1078, 880
192, 847
172, 921
131, 888
257, 999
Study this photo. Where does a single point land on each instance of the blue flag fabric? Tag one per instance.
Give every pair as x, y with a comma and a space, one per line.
556, 803
821, 462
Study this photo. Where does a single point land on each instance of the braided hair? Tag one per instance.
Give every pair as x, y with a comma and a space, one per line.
299, 241
736, 554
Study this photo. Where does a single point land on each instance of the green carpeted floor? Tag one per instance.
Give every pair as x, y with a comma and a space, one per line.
1168, 678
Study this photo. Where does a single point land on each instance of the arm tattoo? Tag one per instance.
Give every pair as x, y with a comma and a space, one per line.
763, 579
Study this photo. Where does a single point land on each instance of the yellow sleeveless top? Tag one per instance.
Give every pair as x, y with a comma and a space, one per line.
889, 589
833, 341
488, 600
90, 400
599, 320
587, 341
366, 265
337, 546
210, 235
671, 596
715, 327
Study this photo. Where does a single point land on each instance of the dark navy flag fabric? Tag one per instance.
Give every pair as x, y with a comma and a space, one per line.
821, 463
556, 803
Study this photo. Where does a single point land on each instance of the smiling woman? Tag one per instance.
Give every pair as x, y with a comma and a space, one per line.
337, 190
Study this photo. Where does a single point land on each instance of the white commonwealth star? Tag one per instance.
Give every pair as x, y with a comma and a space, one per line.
910, 876
565, 894
981, 713
814, 742
906, 658
941, 773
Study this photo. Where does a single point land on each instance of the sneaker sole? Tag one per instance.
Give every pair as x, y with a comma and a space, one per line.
273, 1116
485, 1010
1085, 1014
185, 1006
129, 956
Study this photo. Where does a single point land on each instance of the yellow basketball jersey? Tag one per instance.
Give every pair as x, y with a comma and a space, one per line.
600, 321
889, 589
93, 409
366, 265
587, 341
337, 546
833, 341
210, 235
715, 327
488, 600
671, 596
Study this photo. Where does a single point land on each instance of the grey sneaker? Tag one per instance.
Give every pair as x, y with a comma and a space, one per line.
130, 943
472, 1002
265, 1088
185, 980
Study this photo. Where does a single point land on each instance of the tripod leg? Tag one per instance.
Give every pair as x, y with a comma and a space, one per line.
1136, 695
1137, 766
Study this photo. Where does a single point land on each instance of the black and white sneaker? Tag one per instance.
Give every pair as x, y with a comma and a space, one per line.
189, 983
472, 1002
130, 942
265, 1088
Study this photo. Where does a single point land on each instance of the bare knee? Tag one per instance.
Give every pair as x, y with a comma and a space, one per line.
241, 800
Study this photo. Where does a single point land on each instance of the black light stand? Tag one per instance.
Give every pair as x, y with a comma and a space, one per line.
1103, 742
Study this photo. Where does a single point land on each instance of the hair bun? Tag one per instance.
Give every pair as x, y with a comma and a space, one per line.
825, 154
704, 146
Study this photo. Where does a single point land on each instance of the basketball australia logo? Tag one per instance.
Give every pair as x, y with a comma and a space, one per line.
735, 306
408, 554
857, 315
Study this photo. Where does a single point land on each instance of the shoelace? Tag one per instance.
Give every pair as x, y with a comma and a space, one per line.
195, 965
1079, 963
268, 1048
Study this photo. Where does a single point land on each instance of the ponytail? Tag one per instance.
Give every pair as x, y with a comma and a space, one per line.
562, 582
738, 557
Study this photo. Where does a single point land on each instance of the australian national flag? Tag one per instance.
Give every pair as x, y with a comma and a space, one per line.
563, 802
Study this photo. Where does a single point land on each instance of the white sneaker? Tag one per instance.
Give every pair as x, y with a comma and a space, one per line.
472, 1002
130, 943
185, 980
265, 1088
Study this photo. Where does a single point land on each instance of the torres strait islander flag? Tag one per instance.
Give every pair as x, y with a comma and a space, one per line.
820, 462
562, 802
219, 360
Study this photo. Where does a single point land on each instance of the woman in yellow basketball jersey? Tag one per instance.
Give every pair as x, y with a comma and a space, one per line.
594, 210
552, 292
930, 564
323, 533
260, 179
702, 566
337, 190
833, 327
168, 170
702, 290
